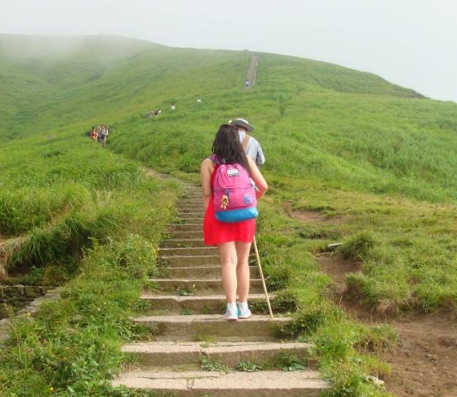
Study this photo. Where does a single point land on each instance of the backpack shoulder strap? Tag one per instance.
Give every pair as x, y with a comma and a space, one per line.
245, 142
215, 159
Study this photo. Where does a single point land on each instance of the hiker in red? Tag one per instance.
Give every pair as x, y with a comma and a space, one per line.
233, 240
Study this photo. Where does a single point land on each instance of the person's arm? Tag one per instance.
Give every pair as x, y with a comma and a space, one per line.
206, 169
260, 157
257, 177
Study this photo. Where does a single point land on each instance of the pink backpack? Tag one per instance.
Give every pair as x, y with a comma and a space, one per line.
233, 193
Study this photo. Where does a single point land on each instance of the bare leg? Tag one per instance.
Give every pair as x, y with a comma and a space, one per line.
242, 270
228, 254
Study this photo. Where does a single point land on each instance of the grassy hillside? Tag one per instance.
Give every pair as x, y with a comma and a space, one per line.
51, 83
372, 161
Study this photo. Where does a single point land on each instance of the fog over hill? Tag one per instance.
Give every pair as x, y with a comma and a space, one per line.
26, 47
46, 79
405, 42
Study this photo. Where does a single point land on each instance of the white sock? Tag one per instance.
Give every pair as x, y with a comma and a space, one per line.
231, 307
243, 305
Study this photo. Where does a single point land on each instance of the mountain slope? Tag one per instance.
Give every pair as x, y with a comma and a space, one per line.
55, 81
61, 80
334, 124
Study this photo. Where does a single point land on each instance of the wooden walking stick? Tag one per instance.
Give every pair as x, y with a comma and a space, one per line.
263, 279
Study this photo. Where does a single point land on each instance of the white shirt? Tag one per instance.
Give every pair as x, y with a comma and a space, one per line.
253, 149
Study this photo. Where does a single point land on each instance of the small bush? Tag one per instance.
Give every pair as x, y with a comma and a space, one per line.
358, 247
138, 256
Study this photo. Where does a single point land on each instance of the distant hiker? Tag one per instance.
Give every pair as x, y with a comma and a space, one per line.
93, 134
233, 240
250, 145
172, 106
246, 84
102, 135
157, 112
198, 100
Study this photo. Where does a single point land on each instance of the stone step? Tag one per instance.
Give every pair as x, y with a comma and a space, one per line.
196, 272
195, 205
200, 304
191, 217
189, 209
189, 260
19, 292
231, 384
210, 327
192, 202
153, 355
186, 227
192, 199
184, 286
186, 234
198, 212
187, 251
183, 242
189, 214
187, 218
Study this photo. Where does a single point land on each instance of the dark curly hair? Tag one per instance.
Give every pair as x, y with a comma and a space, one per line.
227, 146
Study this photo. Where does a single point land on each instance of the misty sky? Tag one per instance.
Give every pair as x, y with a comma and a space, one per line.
408, 42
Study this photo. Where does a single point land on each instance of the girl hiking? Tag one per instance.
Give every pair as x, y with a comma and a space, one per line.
234, 239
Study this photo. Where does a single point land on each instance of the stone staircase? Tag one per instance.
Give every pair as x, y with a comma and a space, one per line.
252, 71
193, 351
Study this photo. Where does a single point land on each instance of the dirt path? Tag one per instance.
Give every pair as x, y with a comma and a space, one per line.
425, 362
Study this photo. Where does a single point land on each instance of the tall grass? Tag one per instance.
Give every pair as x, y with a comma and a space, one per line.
70, 192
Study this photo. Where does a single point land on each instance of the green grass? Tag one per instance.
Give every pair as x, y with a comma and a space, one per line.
373, 160
67, 192
72, 346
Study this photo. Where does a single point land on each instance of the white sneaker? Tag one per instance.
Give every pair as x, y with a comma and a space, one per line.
231, 315
244, 313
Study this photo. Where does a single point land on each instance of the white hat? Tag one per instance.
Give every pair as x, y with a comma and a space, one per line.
242, 123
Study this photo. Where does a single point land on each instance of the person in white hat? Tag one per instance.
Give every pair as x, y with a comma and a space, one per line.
250, 145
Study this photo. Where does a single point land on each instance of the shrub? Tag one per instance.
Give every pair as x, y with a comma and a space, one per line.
358, 247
